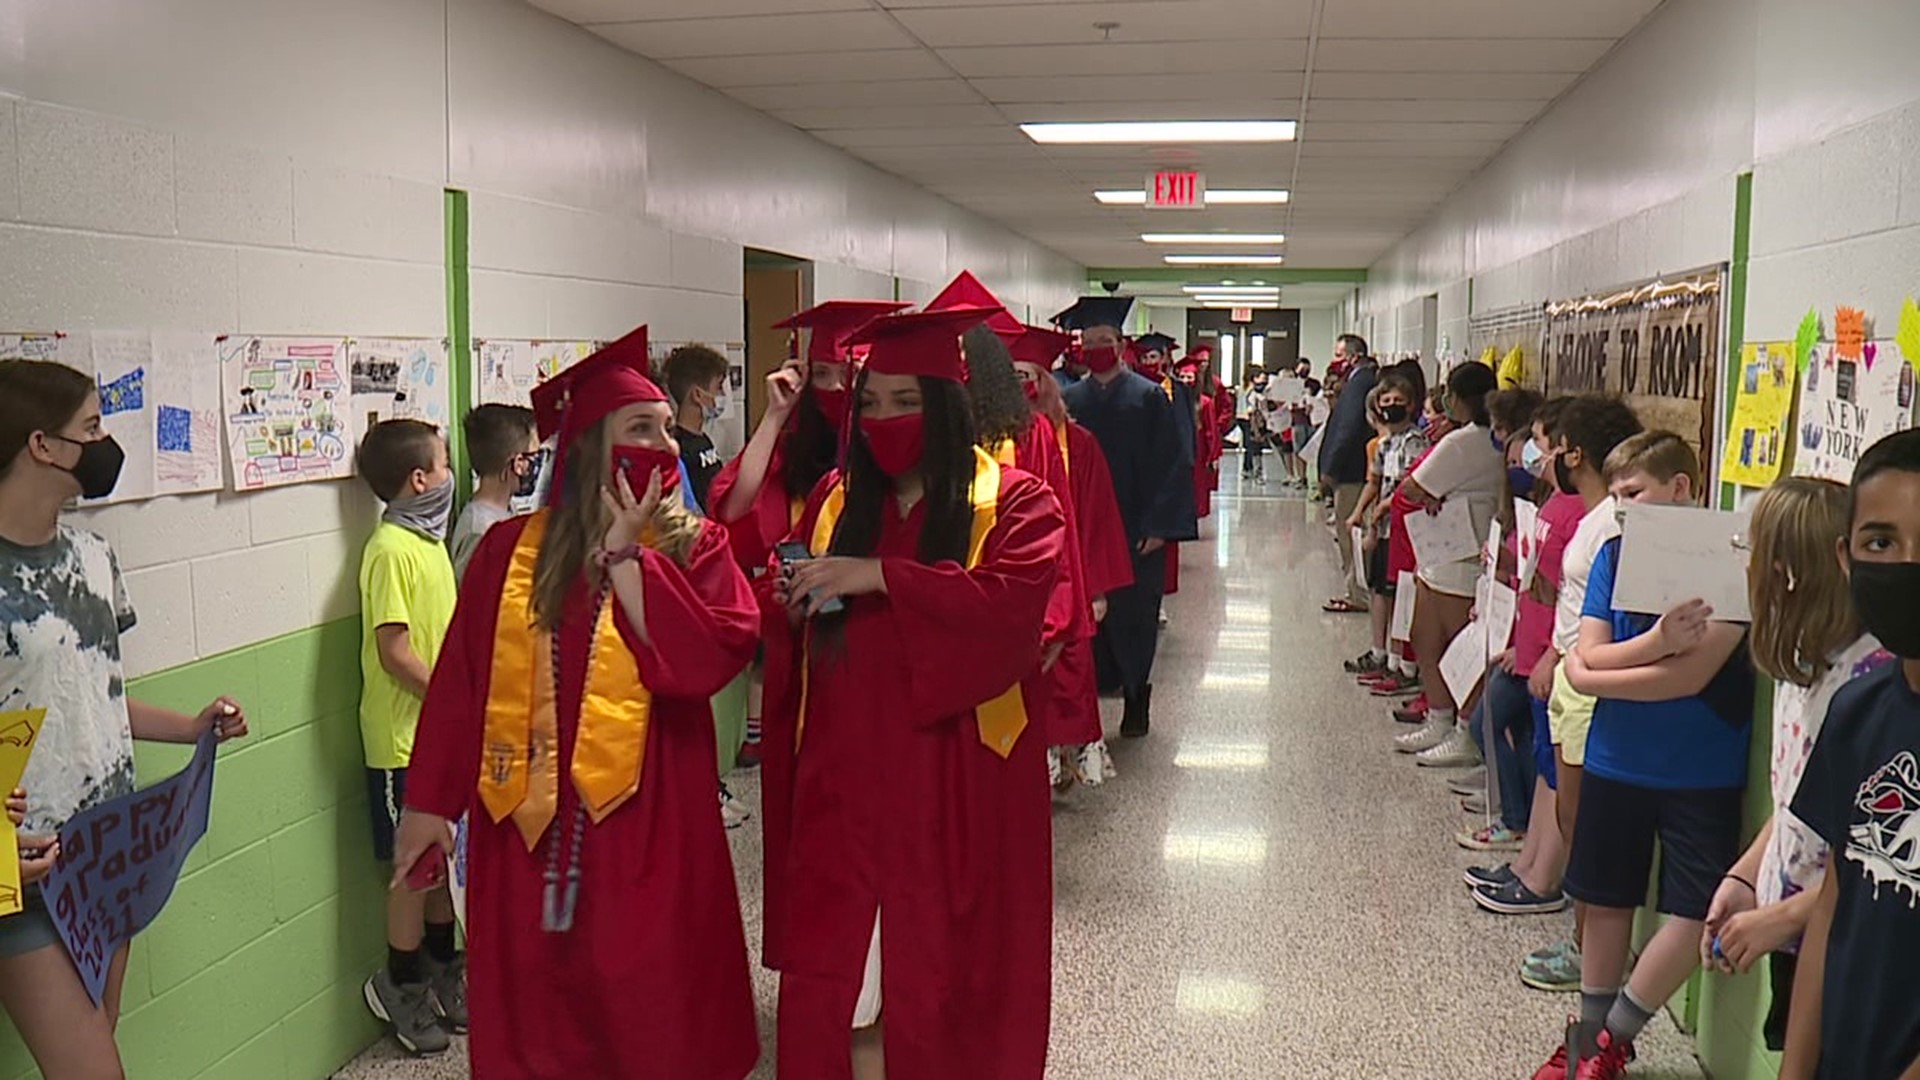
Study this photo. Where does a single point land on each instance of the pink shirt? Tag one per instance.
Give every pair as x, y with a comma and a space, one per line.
1533, 629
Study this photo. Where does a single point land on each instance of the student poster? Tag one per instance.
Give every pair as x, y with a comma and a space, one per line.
1853, 393
399, 379
19, 729
286, 403
119, 862
506, 370
1758, 440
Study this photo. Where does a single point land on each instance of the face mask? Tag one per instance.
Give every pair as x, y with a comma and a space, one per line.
425, 512
1563, 476
1394, 414
716, 410
1532, 458
98, 469
1101, 359
1519, 481
834, 404
639, 463
525, 486
896, 443
1031, 390
1886, 596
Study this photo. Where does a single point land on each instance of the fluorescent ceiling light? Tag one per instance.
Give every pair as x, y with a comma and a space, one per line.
1213, 238
1240, 290
1252, 305
1225, 260
1164, 131
1214, 197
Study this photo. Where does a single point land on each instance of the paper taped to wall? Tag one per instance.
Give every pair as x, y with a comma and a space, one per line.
286, 401
506, 370
399, 379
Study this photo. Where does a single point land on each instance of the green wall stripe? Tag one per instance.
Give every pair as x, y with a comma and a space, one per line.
459, 334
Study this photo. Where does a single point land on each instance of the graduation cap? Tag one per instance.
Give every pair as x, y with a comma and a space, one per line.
967, 291
924, 343
1156, 342
832, 321
1091, 311
609, 380
1201, 353
1038, 346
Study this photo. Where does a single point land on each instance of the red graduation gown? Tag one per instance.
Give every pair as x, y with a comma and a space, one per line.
767, 519
652, 980
1070, 610
1074, 716
897, 807
1206, 440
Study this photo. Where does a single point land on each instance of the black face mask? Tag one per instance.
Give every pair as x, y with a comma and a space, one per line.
1886, 596
1563, 476
1394, 414
98, 469
525, 486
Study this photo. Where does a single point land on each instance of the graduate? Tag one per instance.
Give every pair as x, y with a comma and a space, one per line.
1154, 358
916, 905
799, 437
1150, 453
1191, 372
568, 716
1078, 742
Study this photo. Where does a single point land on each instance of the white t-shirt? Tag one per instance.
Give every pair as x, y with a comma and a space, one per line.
472, 528
1796, 856
1598, 527
1466, 465
62, 610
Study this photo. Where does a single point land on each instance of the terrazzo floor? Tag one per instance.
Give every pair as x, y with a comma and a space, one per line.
1267, 890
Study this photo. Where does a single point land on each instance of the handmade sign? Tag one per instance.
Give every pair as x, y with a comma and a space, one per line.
119, 862
1672, 554
1498, 612
1528, 536
507, 370
288, 418
1359, 541
1465, 661
1853, 393
18, 730
1443, 537
1400, 628
399, 379
1758, 440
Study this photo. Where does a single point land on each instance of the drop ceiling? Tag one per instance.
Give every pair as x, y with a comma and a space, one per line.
1400, 101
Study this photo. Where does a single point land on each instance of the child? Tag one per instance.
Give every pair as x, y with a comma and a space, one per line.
63, 608
1806, 638
1856, 1016
501, 444
1400, 445
1666, 758
407, 594
697, 381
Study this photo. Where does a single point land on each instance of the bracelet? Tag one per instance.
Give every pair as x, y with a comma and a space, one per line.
1741, 880
607, 560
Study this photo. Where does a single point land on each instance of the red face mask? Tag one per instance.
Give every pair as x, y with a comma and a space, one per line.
1031, 389
639, 463
834, 405
1100, 359
896, 443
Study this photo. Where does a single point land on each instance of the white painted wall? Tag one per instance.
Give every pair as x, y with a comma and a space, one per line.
1318, 328
235, 166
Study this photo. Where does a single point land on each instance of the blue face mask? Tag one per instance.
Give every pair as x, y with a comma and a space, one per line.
1520, 481
1532, 458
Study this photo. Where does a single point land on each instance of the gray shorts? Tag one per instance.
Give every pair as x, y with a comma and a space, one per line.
30, 929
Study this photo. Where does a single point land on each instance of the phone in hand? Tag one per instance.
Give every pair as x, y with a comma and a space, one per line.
791, 552
430, 872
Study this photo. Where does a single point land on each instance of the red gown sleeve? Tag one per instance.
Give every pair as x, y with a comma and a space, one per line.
703, 620
1103, 539
768, 518
1067, 609
997, 608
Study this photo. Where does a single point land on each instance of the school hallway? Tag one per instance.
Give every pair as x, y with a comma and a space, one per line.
1266, 890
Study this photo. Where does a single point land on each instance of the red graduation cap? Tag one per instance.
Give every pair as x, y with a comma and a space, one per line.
967, 291
1039, 346
832, 321
1201, 353
1189, 362
924, 343
592, 390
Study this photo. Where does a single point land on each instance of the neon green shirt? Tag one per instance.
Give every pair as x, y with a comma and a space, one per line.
405, 579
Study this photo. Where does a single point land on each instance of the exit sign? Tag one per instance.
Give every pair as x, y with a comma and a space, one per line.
1241, 314
1176, 191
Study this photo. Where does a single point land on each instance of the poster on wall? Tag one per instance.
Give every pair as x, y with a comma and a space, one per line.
1853, 393
286, 410
1657, 345
506, 370
399, 379
1758, 439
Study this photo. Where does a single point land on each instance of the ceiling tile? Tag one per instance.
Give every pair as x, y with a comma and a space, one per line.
1362, 131
1458, 149
859, 139
1570, 55
1152, 89
1242, 109
890, 116
823, 32
1138, 21
870, 65
841, 95
1404, 110
1528, 86
1483, 19
599, 11
1014, 61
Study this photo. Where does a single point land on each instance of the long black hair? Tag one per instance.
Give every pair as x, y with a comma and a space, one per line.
1000, 408
946, 465
1471, 384
810, 448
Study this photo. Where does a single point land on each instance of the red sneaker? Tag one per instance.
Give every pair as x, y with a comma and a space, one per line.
749, 756
1413, 712
1556, 1066
1610, 1064
1395, 685
1373, 678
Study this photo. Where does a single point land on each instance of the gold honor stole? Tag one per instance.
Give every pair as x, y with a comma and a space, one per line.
1001, 720
520, 771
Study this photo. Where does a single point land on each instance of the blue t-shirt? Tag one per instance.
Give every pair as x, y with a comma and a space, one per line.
1690, 742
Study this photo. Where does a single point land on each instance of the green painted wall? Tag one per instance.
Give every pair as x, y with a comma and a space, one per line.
253, 972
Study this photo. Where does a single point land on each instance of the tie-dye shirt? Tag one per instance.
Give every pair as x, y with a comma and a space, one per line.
63, 608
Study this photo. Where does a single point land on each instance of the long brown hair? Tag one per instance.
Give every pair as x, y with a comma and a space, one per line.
578, 519
1801, 612
36, 395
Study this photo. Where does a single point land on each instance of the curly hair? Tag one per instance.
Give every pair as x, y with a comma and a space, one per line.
1000, 407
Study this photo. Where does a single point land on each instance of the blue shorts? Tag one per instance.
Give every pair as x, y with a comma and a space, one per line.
386, 794
1543, 745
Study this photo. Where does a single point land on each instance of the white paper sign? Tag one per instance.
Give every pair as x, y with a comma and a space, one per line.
1360, 558
1492, 552
1528, 536
1465, 661
1289, 390
1310, 453
1401, 629
1672, 554
1497, 612
1443, 537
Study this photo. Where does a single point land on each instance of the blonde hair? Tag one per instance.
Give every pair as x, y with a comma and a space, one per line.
1660, 454
1801, 611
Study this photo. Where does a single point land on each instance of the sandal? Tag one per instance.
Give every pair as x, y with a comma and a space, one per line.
1340, 605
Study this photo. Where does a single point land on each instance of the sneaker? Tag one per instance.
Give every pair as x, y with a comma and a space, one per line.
1610, 1063
1096, 765
1490, 876
1413, 712
1556, 970
1474, 783
1514, 898
1455, 751
749, 756
449, 985
407, 1011
1495, 837
1394, 685
1364, 664
1475, 803
733, 812
1424, 737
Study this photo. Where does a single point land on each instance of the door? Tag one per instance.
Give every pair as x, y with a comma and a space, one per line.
1270, 339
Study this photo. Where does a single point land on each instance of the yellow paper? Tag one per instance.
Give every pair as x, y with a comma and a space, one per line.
18, 731
1908, 335
1758, 441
